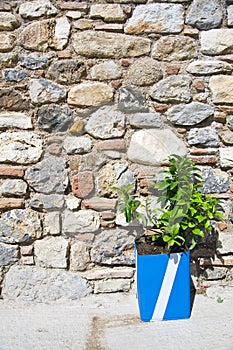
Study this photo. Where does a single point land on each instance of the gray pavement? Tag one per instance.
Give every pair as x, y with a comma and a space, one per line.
111, 322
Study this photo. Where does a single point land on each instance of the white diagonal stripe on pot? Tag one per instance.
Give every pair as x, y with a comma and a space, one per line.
165, 291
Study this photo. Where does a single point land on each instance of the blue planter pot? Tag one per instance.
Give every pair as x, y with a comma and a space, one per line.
163, 286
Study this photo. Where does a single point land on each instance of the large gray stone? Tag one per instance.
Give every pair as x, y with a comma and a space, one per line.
41, 201
9, 254
82, 221
107, 122
20, 147
206, 137
189, 114
105, 71
48, 176
33, 283
35, 61
215, 181
152, 147
19, 225
156, 18
205, 14
114, 247
172, 89
44, 91
77, 144
146, 120
109, 45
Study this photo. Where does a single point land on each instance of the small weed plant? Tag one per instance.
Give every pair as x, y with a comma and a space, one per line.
185, 213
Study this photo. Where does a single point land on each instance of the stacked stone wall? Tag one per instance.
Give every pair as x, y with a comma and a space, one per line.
96, 94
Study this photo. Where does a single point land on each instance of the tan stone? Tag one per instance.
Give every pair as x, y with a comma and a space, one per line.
79, 256
37, 35
27, 260
7, 41
102, 273
98, 203
107, 12
11, 203
112, 45
222, 89
7, 21
26, 250
217, 41
110, 286
111, 145
77, 127
90, 94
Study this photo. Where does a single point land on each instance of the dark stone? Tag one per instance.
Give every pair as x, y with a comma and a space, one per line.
66, 71
34, 61
214, 183
14, 75
12, 100
205, 14
54, 118
131, 100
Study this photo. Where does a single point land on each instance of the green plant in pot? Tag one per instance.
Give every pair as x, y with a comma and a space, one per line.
171, 231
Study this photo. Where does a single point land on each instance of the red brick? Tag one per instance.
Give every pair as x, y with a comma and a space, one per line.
203, 151
11, 171
160, 107
204, 159
83, 184
222, 226
118, 145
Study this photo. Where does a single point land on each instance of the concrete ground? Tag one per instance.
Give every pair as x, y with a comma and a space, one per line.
111, 322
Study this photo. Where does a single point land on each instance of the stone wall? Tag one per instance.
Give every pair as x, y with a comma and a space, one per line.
95, 94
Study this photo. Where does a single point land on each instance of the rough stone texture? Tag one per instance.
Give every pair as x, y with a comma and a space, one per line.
204, 14
51, 252
189, 114
145, 71
206, 137
7, 41
146, 120
20, 147
230, 15
79, 256
226, 157
107, 12
61, 33
222, 88
153, 146
172, 89
175, 48
90, 94
110, 45
156, 18
44, 91
215, 273
48, 176
15, 120
225, 242
131, 100
8, 21
14, 75
11, 203
52, 223
215, 181
7, 60
77, 144
208, 67
80, 222
33, 283
227, 137
105, 71
107, 273
217, 42
54, 118
110, 286
113, 247
12, 100
100, 204
66, 71
83, 184
9, 254
13, 187
106, 122
34, 61
37, 9
19, 225
41, 201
